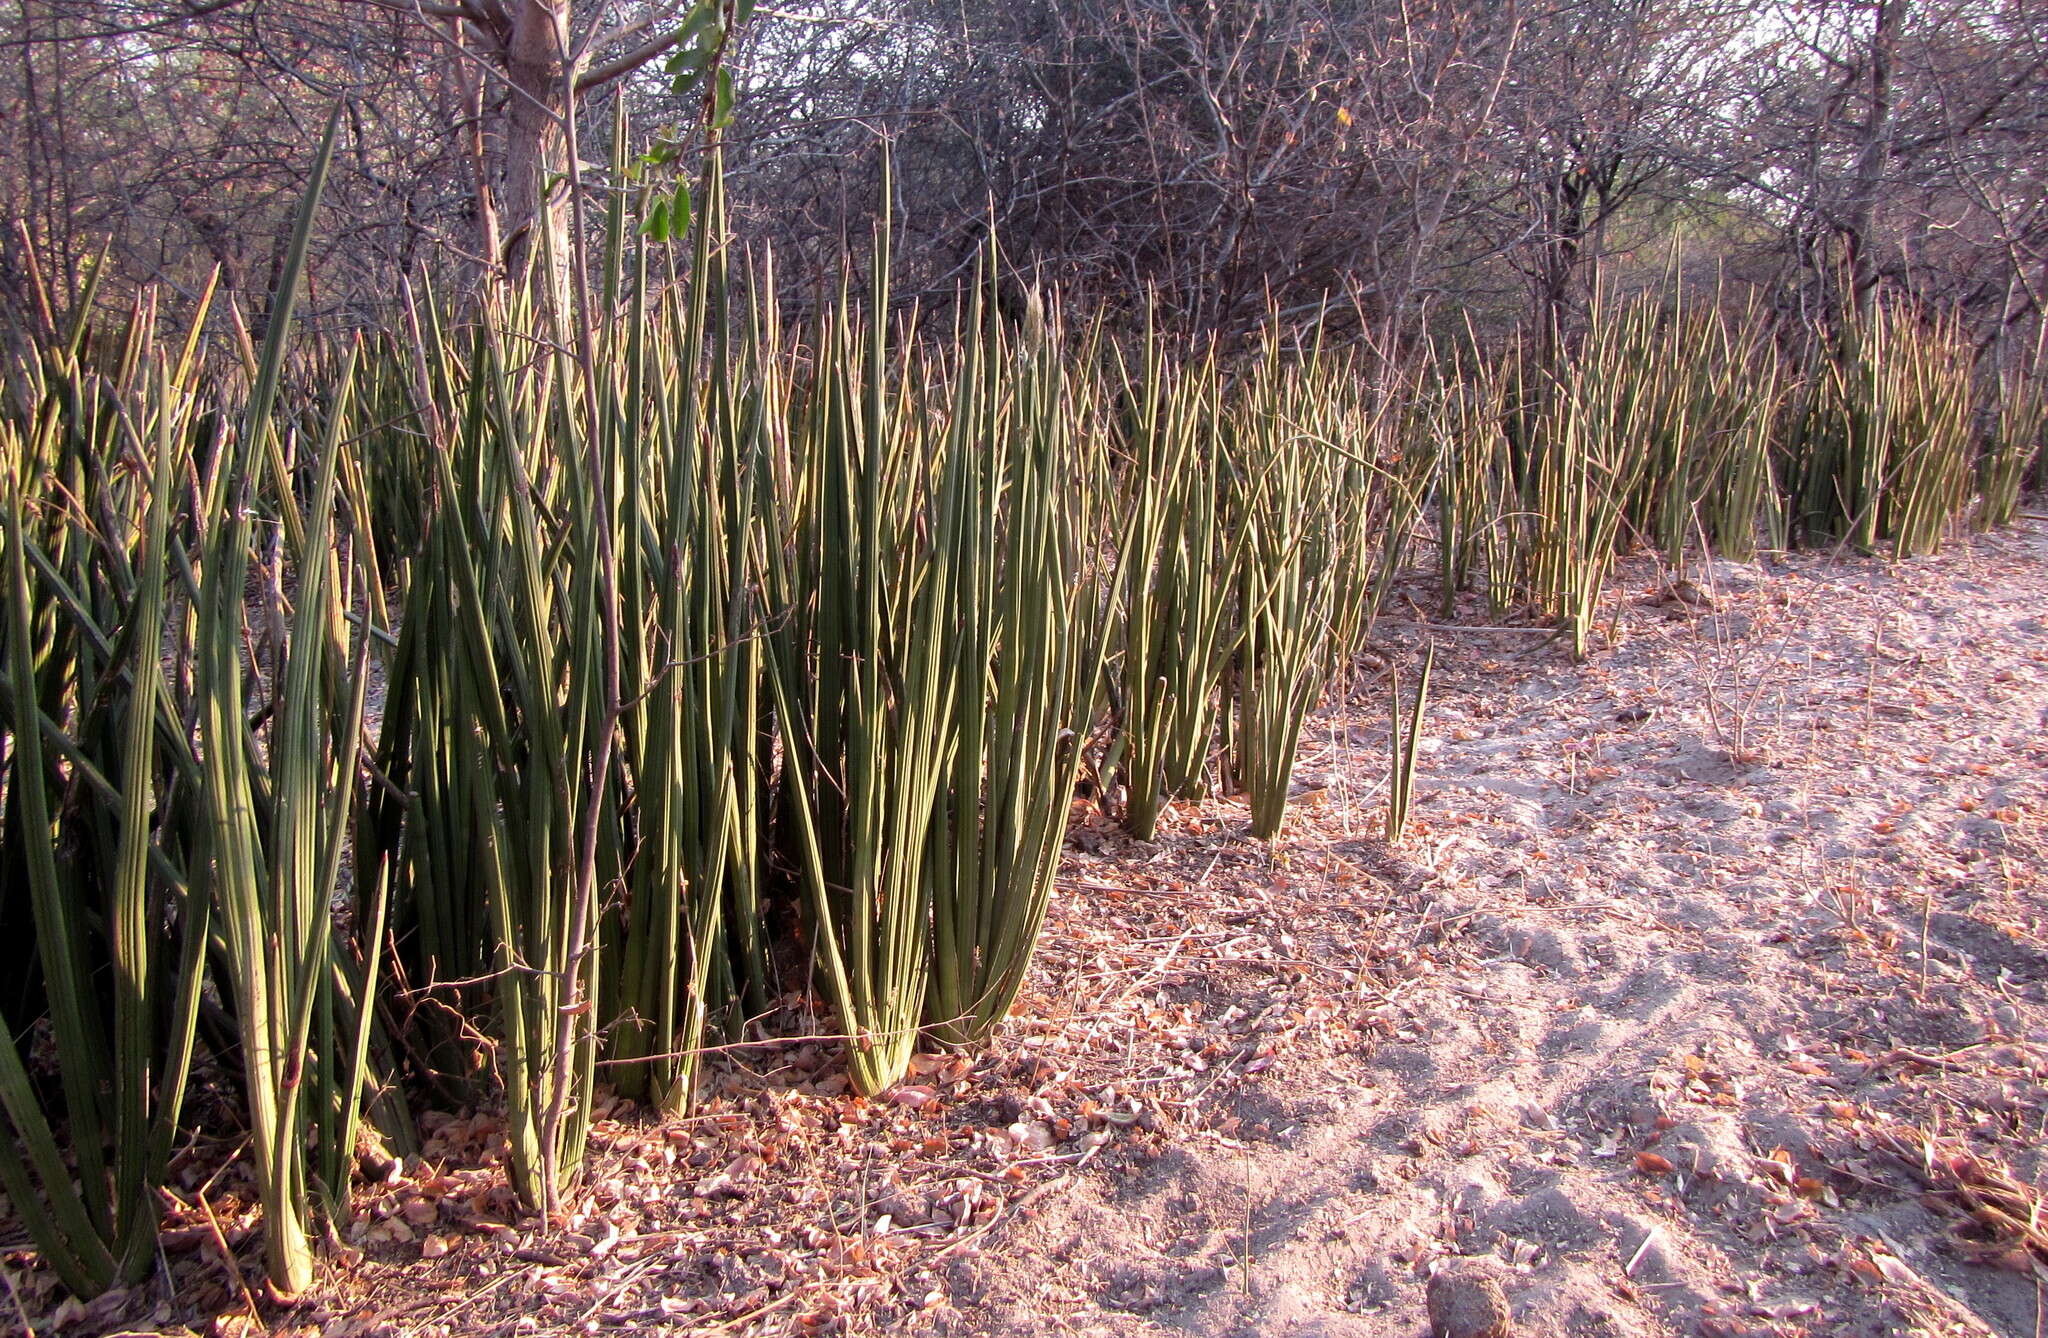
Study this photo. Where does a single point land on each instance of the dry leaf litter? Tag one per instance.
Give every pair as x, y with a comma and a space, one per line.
1707, 994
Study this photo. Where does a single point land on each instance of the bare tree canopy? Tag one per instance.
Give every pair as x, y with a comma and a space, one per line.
1362, 160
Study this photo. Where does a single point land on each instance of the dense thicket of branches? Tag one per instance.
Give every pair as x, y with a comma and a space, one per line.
1372, 159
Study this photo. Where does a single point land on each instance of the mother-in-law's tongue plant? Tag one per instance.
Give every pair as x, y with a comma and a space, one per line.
1025, 650
869, 596
1175, 563
860, 563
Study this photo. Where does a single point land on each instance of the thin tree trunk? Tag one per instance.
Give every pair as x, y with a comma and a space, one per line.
1873, 146
536, 109
466, 86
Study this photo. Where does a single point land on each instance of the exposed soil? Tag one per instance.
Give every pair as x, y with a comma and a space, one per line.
1690, 955
1707, 993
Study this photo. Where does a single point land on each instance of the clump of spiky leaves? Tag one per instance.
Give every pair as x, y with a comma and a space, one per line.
2013, 448
203, 729
1174, 583
1880, 442
498, 726
82, 696
1285, 505
688, 935
1582, 426
1026, 650
279, 806
861, 562
1705, 383
676, 601
1403, 738
1463, 407
520, 712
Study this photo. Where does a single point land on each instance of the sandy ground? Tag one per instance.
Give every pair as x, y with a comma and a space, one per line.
1707, 993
